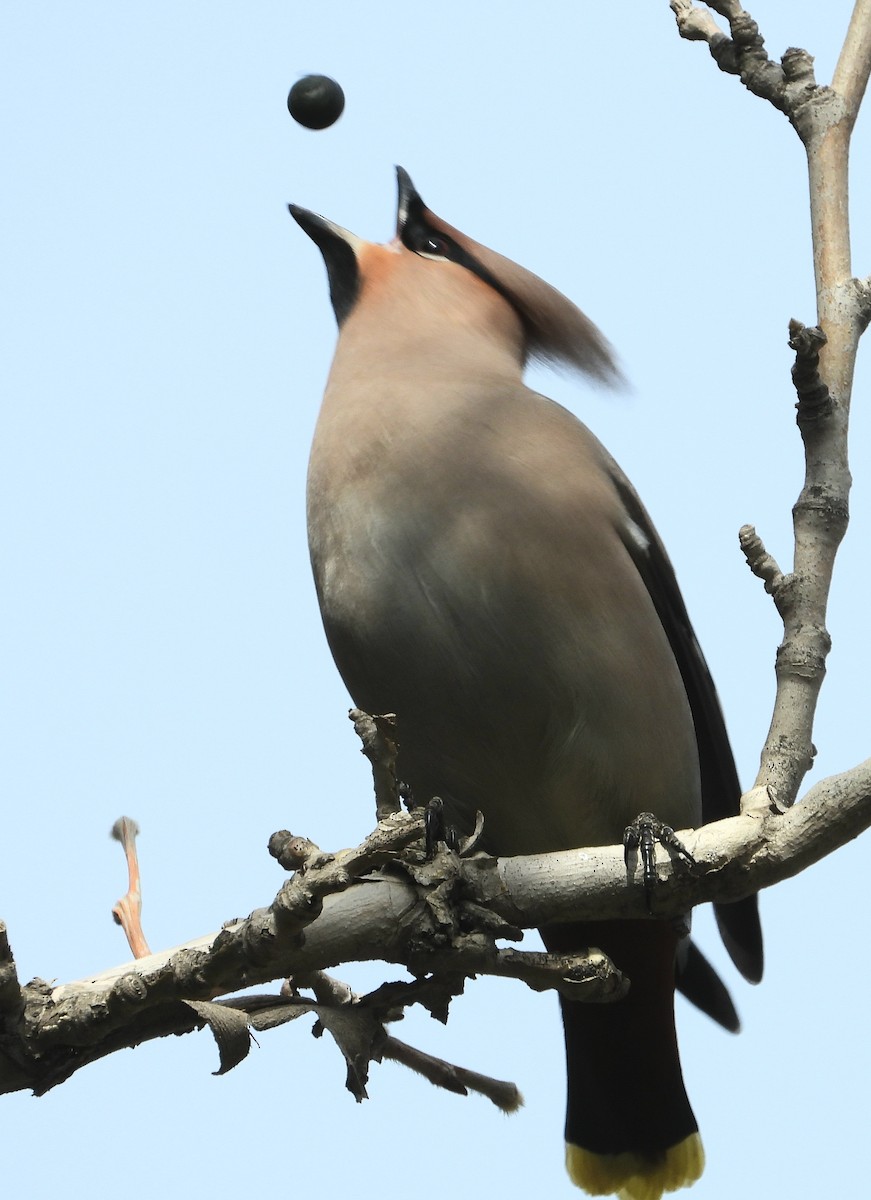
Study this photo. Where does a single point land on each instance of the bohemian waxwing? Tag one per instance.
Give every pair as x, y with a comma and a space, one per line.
486, 572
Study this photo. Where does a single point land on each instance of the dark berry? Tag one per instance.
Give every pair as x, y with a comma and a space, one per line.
316, 101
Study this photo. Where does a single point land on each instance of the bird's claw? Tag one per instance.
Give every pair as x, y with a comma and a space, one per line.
436, 829
642, 835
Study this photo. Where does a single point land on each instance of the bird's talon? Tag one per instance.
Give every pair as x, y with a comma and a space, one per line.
435, 829
642, 835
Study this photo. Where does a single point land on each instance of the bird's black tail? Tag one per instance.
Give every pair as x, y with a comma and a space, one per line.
629, 1126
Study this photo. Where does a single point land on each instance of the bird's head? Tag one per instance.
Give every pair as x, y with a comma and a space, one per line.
432, 272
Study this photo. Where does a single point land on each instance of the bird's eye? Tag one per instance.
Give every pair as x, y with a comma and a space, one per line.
429, 244
435, 245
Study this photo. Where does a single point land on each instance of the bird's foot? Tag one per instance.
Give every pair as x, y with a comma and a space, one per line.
437, 829
642, 835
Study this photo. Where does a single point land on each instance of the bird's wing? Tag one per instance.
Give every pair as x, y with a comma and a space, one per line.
721, 790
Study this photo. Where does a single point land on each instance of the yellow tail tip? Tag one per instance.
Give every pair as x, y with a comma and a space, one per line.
636, 1176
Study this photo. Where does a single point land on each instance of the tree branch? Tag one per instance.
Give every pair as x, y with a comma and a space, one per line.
854, 63
824, 118
441, 918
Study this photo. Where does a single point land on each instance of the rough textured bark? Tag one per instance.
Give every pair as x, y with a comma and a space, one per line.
823, 116
440, 917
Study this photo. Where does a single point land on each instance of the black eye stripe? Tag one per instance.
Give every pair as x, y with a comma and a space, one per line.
420, 237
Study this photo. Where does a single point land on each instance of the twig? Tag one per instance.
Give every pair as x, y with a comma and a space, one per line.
378, 735
10, 989
854, 63
453, 1078
128, 910
823, 117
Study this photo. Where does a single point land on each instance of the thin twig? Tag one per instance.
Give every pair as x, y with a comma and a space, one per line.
128, 910
854, 63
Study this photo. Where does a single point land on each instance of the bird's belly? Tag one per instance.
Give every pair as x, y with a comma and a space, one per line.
514, 694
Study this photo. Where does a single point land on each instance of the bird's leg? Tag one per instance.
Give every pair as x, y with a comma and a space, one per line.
642, 835
436, 828
128, 911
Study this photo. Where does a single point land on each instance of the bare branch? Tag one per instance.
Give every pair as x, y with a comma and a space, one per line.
434, 995
440, 918
454, 1079
854, 64
734, 857
694, 23
787, 85
763, 565
128, 910
378, 735
823, 117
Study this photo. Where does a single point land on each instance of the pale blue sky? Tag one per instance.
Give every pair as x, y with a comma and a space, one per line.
167, 332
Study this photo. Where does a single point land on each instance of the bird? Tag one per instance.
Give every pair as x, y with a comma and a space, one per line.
486, 571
